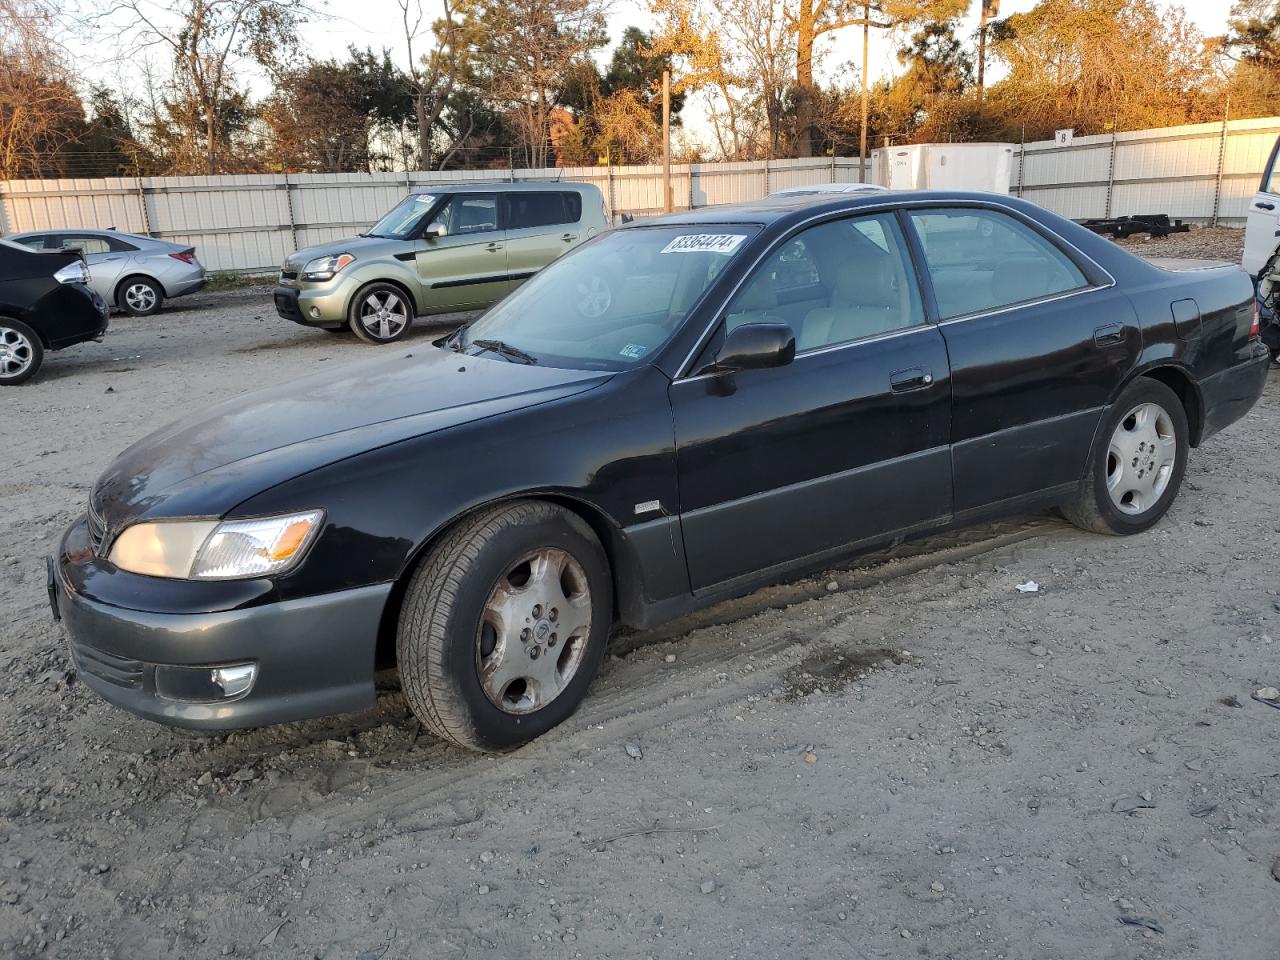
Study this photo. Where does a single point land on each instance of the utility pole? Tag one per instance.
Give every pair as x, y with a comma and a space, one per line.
866, 54
666, 140
990, 10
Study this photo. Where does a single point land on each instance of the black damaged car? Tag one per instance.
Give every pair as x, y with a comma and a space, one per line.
676, 412
44, 305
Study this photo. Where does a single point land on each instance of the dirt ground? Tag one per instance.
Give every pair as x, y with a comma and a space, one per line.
905, 757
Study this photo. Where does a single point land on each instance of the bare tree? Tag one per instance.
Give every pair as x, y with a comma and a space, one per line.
434, 74
206, 39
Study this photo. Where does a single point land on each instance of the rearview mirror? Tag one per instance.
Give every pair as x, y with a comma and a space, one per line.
757, 346
435, 231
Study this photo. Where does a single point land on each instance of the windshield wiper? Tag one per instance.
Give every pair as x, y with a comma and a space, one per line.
505, 350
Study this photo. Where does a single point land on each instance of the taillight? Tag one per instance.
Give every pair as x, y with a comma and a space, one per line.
186, 256
1255, 328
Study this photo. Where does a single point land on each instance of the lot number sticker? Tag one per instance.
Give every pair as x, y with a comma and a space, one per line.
724, 243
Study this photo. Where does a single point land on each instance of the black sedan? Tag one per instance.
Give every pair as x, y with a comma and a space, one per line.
679, 411
44, 305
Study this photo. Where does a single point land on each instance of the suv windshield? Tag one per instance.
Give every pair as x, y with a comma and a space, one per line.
609, 304
403, 221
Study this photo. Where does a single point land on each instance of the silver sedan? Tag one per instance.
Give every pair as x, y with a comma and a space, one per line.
132, 272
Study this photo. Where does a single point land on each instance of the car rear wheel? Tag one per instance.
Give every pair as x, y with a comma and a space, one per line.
504, 624
380, 313
1136, 466
140, 296
21, 352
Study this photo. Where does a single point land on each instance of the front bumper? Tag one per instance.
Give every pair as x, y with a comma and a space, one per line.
314, 655
325, 306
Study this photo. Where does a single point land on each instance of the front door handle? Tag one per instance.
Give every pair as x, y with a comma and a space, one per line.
493, 247
569, 237
1108, 335
914, 378
1264, 206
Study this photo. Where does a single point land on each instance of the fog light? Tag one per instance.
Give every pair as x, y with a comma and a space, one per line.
315, 313
205, 684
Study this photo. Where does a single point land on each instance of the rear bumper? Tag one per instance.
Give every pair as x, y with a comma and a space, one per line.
187, 286
314, 656
1229, 395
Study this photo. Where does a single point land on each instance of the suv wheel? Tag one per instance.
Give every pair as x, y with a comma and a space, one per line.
380, 313
21, 352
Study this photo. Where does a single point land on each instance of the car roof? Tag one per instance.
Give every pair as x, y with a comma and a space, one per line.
86, 232
490, 186
833, 188
780, 207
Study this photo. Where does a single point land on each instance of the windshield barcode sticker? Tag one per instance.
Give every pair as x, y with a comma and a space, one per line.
724, 243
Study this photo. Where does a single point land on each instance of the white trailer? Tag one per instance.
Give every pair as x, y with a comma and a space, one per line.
944, 166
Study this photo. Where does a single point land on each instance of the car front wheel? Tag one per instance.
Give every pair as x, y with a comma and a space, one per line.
504, 624
1136, 466
21, 352
140, 296
380, 313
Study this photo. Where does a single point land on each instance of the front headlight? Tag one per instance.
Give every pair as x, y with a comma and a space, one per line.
77, 272
323, 268
213, 550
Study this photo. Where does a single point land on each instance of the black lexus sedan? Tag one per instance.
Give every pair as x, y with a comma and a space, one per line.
676, 412
44, 305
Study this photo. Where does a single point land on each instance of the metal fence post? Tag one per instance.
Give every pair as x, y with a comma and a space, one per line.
288, 205
1111, 174
693, 172
613, 196
142, 204
766, 176
1022, 159
1222, 159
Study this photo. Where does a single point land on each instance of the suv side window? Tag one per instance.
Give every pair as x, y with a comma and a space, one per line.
982, 260
836, 282
469, 213
541, 209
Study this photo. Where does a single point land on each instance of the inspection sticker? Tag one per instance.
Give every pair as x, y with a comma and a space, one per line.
633, 351
724, 243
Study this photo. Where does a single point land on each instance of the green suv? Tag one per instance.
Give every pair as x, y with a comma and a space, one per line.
450, 248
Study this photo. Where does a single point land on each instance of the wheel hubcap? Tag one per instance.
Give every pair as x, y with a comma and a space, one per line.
384, 315
1140, 459
534, 631
16, 352
140, 296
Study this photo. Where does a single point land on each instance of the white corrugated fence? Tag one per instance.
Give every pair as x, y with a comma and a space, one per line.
1204, 173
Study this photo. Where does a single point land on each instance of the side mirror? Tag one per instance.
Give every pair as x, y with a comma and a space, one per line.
435, 231
756, 346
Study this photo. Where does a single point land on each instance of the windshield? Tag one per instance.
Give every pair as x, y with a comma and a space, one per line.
610, 304
403, 221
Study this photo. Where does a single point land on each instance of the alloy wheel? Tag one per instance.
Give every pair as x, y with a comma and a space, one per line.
384, 315
16, 353
534, 631
140, 297
1141, 458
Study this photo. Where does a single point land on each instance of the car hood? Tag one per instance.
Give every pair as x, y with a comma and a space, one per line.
362, 248
207, 464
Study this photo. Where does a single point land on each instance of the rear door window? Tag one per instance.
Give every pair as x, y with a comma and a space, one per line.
981, 260
539, 209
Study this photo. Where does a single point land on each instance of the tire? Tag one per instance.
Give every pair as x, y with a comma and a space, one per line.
380, 313
1144, 432
21, 352
479, 686
139, 296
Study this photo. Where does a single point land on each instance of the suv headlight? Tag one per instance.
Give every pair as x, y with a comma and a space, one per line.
323, 268
216, 550
77, 272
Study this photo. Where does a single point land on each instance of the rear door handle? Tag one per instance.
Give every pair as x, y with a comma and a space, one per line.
914, 378
494, 246
1108, 335
569, 237
1264, 206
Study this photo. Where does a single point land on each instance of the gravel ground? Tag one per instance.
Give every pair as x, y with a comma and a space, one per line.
903, 757
1206, 243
